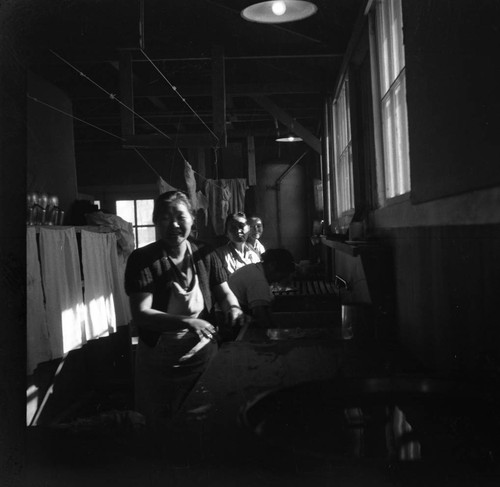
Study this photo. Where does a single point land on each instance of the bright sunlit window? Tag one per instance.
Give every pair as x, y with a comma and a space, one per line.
344, 192
139, 213
392, 82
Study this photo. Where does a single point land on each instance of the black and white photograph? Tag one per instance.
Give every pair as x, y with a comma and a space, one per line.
250, 243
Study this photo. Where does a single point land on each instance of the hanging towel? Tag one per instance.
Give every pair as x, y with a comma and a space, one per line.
202, 201
100, 319
238, 188
218, 194
190, 184
38, 345
62, 284
122, 308
163, 186
124, 230
225, 196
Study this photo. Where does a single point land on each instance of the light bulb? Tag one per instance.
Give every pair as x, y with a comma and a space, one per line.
278, 8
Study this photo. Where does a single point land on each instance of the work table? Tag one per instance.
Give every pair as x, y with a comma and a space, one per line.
210, 445
241, 372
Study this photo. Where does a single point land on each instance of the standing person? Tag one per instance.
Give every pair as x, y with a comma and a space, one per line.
236, 253
171, 285
252, 284
256, 229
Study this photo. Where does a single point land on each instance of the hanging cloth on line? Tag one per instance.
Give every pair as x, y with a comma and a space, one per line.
100, 319
225, 196
37, 333
62, 283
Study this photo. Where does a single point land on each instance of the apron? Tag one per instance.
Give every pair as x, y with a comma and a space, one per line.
166, 373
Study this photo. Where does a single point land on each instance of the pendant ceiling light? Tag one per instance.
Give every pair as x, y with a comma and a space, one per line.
289, 138
279, 11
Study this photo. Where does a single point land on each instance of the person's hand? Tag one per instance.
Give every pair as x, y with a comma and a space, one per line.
202, 328
236, 317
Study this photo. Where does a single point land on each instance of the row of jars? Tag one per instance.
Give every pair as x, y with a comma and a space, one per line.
43, 209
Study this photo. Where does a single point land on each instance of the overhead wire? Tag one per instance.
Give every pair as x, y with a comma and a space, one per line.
112, 96
176, 91
73, 116
115, 98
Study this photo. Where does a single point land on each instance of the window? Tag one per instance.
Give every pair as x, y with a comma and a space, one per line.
139, 213
392, 96
344, 191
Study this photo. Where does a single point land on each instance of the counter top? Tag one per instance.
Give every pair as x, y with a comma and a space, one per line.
351, 247
244, 370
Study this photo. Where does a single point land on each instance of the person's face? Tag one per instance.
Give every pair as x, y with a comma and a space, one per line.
256, 228
174, 224
237, 230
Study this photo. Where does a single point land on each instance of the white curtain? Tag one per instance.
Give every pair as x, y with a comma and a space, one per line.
100, 319
118, 263
38, 344
62, 283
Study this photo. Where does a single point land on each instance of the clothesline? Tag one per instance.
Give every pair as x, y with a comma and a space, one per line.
114, 97
113, 135
72, 116
176, 91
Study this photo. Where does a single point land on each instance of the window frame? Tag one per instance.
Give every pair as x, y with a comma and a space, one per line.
342, 216
403, 191
135, 225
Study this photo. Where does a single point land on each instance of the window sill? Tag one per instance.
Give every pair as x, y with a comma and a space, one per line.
401, 198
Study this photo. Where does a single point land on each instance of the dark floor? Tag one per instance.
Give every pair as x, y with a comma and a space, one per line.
90, 435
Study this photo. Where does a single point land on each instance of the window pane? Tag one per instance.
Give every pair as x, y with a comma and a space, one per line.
144, 212
125, 210
343, 153
146, 235
393, 97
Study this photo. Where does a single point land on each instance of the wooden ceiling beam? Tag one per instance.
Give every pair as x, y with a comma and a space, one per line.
156, 141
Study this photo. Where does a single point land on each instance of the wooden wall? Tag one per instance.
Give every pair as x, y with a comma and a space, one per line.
447, 282
452, 70
50, 143
444, 238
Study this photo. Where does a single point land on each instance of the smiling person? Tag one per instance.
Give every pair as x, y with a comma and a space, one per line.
256, 229
171, 285
236, 253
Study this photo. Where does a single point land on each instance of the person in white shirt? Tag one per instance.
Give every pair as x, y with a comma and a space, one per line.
256, 229
251, 284
236, 253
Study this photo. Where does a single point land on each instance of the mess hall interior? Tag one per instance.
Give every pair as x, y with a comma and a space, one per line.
364, 135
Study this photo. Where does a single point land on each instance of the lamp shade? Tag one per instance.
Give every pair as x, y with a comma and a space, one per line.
289, 138
279, 11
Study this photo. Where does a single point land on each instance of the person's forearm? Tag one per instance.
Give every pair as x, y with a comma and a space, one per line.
230, 303
226, 298
154, 320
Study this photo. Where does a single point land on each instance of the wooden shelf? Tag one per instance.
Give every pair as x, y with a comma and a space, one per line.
353, 248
